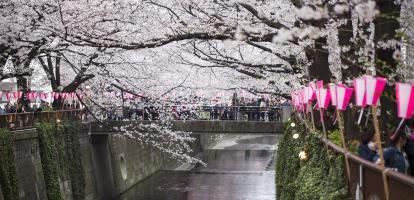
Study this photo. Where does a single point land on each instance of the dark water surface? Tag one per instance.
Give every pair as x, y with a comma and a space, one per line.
241, 168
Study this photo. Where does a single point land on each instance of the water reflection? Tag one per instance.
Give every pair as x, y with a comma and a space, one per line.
177, 185
240, 168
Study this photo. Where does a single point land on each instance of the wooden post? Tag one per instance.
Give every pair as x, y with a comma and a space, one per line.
323, 122
312, 118
380, 150
341, 131
305, 118
325, 136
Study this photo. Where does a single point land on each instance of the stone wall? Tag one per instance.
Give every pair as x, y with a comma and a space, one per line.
132, 161
30, 182
29, 171
112, 163
87, 164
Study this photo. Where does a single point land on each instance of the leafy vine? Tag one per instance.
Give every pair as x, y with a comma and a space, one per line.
8, 180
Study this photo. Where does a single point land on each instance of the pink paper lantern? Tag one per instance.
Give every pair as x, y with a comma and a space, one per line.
295, 100
8, 96
360, 95
332, 89
307, 97
343, 95
302, 96
323, 97
319, 84
29, 96
373, 89
313, 85
44, 96
311, 91
15, 95
405, 100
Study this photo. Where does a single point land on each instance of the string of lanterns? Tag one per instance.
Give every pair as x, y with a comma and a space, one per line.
367, 91
44, 96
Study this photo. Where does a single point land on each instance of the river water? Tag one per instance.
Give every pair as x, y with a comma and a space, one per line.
238, 168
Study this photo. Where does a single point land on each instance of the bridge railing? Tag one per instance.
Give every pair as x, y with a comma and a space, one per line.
366, 180
236, 113
29, 119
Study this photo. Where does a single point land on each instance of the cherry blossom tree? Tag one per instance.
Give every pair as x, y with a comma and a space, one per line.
162, 50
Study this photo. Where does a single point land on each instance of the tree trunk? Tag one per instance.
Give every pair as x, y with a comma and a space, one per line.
350, 70
386, 25
318, 56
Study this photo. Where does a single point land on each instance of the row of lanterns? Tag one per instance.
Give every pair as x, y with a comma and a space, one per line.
367, 91
31, 96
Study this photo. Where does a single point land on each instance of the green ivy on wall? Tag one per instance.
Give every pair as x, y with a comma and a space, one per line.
8, 180
61, 159
50, 159
319, 177
74, 164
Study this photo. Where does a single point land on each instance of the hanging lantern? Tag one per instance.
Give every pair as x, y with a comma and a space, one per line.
374, 88
8, 96
343, 95
332, 89
360, 94
323, 98
311, 92
405, 100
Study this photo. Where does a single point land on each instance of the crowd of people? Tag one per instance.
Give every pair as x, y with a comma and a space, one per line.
10, 108
243, 109
399, 155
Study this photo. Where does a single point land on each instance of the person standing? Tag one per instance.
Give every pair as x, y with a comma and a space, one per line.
262, 107
368, 148
409, 148
394, 155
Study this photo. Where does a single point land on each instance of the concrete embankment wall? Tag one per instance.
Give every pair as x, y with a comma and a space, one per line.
112, 163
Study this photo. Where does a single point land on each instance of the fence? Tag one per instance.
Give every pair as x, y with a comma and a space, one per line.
237, 113
28, 120
365, 180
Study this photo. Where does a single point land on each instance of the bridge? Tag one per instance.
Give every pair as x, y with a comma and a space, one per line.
197, 126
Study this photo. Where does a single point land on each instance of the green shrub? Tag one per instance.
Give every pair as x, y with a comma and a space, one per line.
8, 180
287, 162
319, 177
335, 137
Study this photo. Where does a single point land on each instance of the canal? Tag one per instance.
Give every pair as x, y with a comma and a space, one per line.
240, 167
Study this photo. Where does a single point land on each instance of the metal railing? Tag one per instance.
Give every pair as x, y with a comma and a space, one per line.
237, 113
29, 119
365, 179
